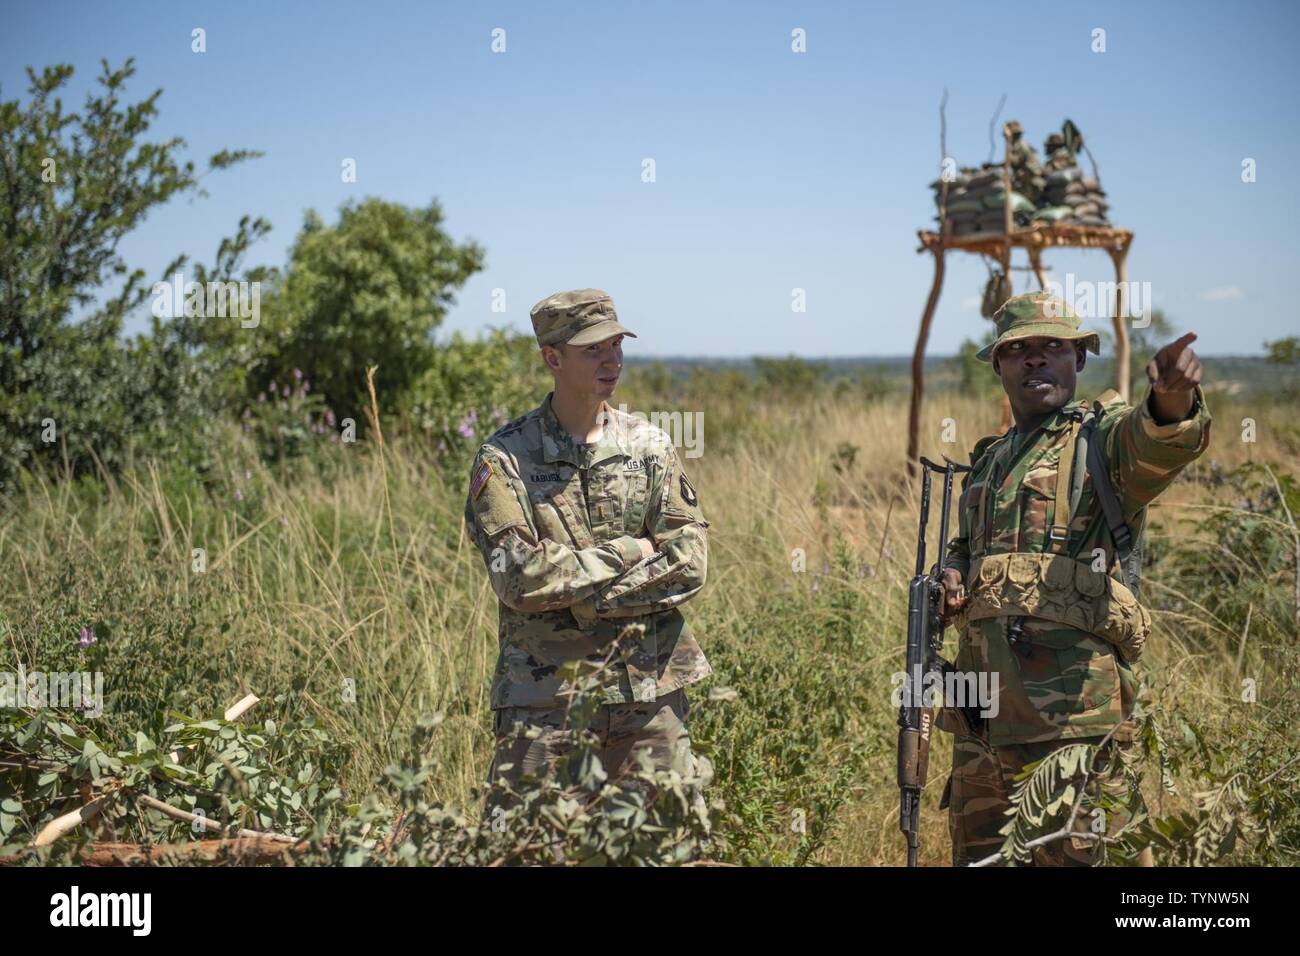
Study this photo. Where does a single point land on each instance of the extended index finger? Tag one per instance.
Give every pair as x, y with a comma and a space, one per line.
1176, 348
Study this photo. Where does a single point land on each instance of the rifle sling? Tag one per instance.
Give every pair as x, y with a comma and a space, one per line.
1110, 506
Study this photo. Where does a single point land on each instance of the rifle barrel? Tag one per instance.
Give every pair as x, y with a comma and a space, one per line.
925, 520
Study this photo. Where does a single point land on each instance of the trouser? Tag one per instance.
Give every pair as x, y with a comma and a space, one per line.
529, 739
978, 796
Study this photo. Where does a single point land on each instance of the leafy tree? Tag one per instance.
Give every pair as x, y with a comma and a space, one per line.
977, 377
71, 186
369, 291
791, 375
1284, 351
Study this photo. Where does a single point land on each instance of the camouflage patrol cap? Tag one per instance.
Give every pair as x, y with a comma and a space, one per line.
1037, 313
580, 317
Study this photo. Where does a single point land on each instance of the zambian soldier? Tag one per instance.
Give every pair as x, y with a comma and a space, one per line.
1046, 607
593, 538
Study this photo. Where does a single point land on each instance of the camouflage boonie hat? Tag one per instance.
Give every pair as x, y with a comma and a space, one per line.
1037, 313
580, 317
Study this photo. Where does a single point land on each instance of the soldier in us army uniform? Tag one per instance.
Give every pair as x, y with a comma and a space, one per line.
1041, 579
593, 538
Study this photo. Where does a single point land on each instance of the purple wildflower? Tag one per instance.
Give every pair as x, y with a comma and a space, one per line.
239, 495
87, 637
297, 373
466, 426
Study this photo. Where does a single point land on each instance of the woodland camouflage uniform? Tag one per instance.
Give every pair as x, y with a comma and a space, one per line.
1061, 636
557, 522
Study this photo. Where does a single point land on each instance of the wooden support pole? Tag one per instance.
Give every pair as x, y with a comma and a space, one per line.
1120, 258
1004, 404
918, 360
1008, 220
1036, 260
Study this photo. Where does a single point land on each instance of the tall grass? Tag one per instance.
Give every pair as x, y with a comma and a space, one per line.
344, 587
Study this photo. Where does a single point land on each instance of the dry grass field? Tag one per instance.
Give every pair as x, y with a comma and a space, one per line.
342, 586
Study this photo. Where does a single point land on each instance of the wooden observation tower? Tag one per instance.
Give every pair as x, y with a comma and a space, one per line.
1033, 238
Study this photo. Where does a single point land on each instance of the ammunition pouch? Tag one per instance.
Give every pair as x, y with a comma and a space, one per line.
1057, 588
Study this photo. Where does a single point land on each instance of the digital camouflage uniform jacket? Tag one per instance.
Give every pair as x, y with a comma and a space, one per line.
1061, 677
557, 523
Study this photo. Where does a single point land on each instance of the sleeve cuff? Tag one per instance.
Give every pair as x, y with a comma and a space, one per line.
1172, 432
961, 565
627, 549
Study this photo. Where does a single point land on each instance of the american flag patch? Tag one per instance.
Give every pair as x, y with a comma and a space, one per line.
480, 479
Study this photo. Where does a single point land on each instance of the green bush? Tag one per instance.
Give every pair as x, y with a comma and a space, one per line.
369, 291
790, 375
474, 386
72, 395
282, 777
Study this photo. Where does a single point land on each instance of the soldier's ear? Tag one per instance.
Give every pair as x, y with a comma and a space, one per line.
1082, 358
551, 356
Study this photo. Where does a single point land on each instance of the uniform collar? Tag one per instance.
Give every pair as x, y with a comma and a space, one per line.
1020, 444
559, 445
1058, 420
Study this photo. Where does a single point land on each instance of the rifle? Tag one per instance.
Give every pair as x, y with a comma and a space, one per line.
924, 642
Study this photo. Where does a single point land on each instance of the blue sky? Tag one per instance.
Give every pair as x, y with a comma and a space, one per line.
775, 170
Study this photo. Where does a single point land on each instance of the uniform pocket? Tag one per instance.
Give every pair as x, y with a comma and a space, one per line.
635, 502
1058, 575
1023, 571
1089, 582
1037, 502
991, 573
550, 523
1088, 678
